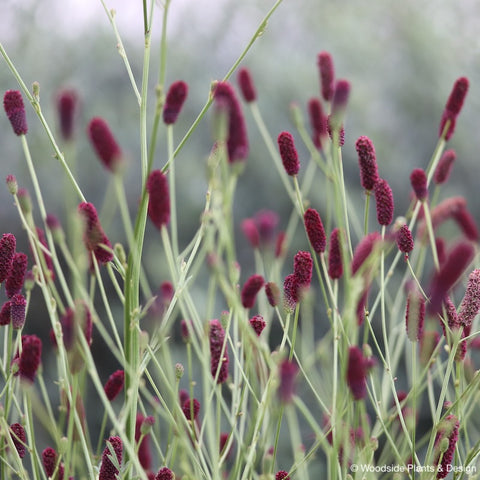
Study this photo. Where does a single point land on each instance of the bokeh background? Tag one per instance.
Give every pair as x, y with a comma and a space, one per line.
401, 58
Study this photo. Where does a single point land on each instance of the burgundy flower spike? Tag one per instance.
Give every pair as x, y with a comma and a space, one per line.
367, 160
108, 471
327, 75
104, 143
453, 107
15, 110
315, 230
67, 102
159, 199
217, 360
288, 153
176, 96
246, 85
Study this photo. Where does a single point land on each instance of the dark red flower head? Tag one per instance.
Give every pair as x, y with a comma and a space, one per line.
453, 106
67, 102
470, 305
418, 179
363, 250
250, 289
302, 270
164, 474
288, 153
237, 143
339, 103
318, 122
273, 293
114, 384
108, 471
444, 167
104, 143
290, 293
282, 475
247, 87
288, 372
5, 313
335, 264
258, 324
191, 409
29, 360
327, 75
218, 362
94, 237
159, 198
17, 432
49, 460
18, 305
176, 96
357, 371
315, 230
7, 251
367, 161
404, 239
384, 200
14, 282
15, 110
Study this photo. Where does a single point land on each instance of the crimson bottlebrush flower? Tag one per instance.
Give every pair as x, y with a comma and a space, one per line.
290, 293
466, 222
218, 361
335, 264
164, 474
8, 244
94, 237
288, 371
108, 471
384, 200
14, 282
470, 305
29, 360
237, 142
18, 304
418, 179
288, 153
327, 75
415, 315
247, 87
404, 239
363, 250
302, 270
17, 433
191, 409
114, 384
273, 293
258, 324
5, 313
453, 106
250, 289
357, 370
367, 161
448, 428
444, 167
49, 460
144, 454
104, 143
15, 110
282, 475
454, 266
339, 103
250, 230
159, 198
315, 230
176, 96
67, 102
318, 121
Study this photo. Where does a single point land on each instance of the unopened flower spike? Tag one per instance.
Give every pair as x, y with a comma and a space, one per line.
384, 200
339, 103
247, 87
444, 167
327, 75
15, 110
159, 198
404, 240
273, 293
415, 315
250, 289
448, 431
315, 230
104, 143
288, 153
114, 384
335, 263
453, 107
318, 122
367, 161
67, 106
176, 96
418, 179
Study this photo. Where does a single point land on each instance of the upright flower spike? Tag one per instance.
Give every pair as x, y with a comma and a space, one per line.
67, 103
363, 250
176, 96
315, 230
453, 107
250, 230
50, 460
94, 237
8, 244
164, 474
247, 87
108, 471
448, 429
444, 167
290, 293
318, 122
339, 103
14, 282
470, 305
282, 475
302, 271
404, 240
15, 110
29, 360
327, 75
237, 142
218, 362
250, 289
19, 438
288, 153
191, 409
367, 161
288, 371
159, 199
18, 305
418, 179
114, 384
104, 143
415, 315
273, 293
5, 313
266, 222
335, 263
467, 224
258, 324
384, 200
357, 371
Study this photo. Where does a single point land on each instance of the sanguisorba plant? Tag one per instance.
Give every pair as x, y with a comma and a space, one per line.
351, 356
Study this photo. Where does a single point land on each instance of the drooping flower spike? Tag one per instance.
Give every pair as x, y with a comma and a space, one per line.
176, 96
114, 384
15, 110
